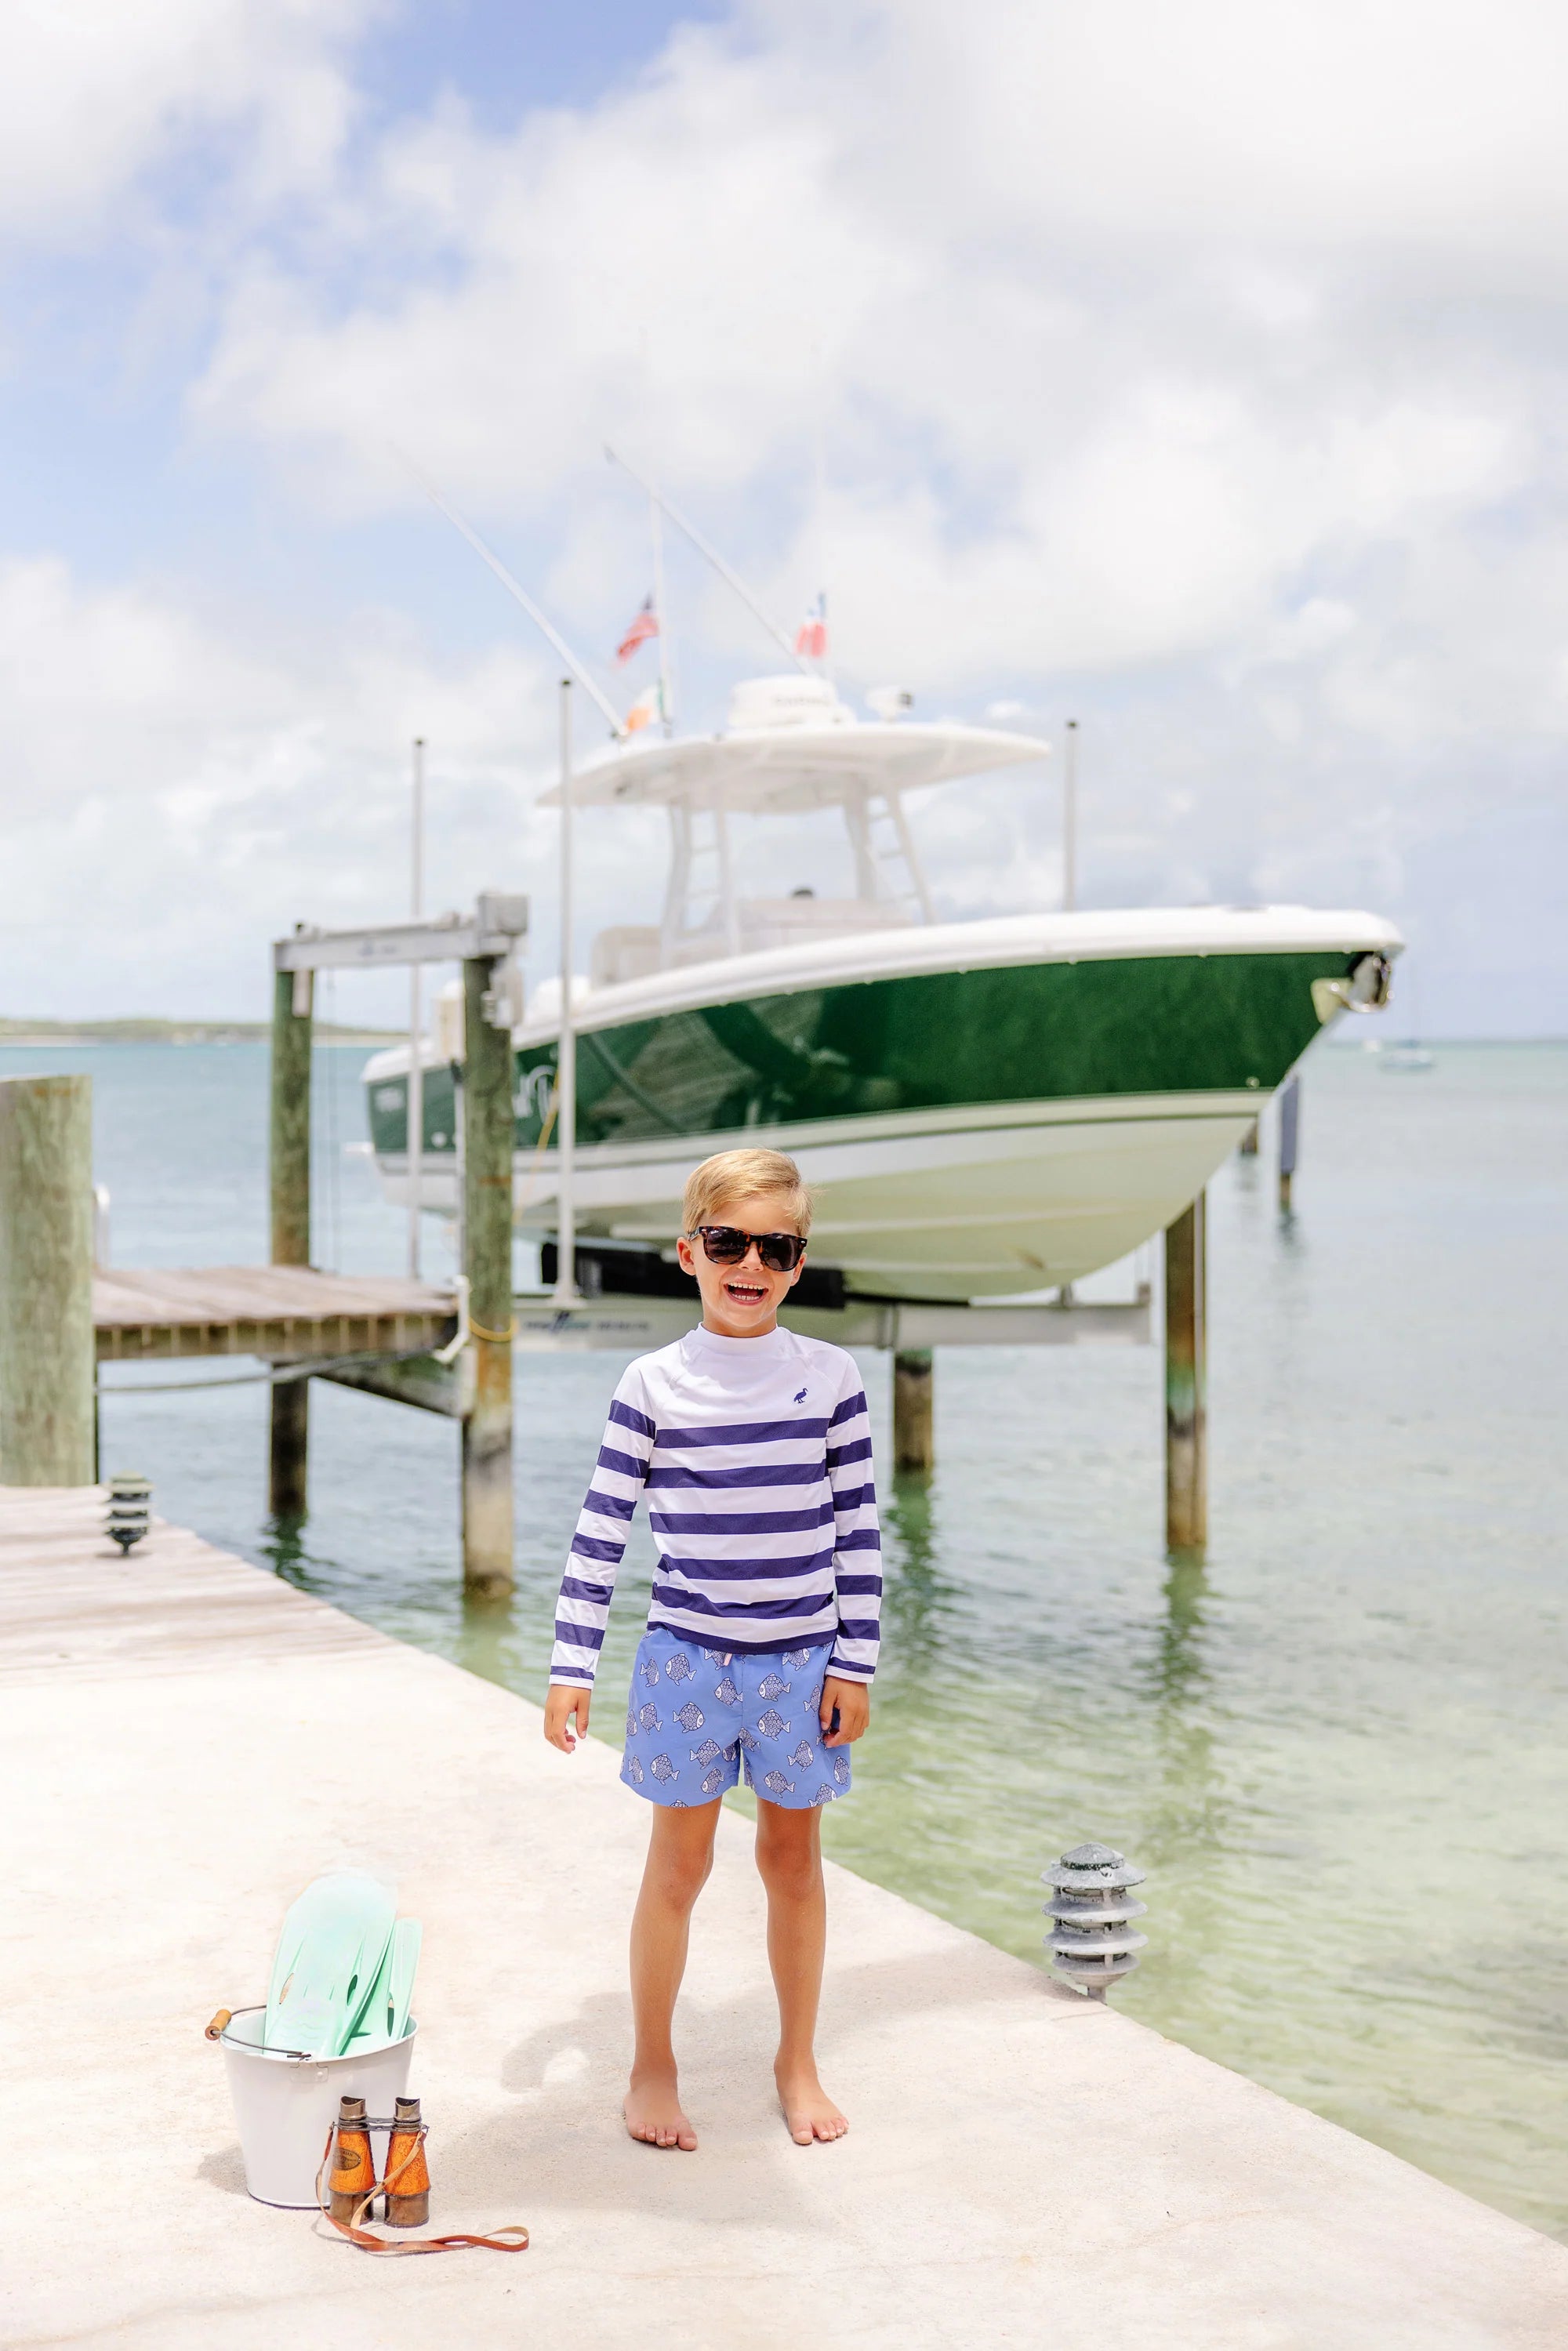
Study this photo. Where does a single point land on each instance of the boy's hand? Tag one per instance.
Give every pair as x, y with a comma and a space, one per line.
853, 1701
561, 1706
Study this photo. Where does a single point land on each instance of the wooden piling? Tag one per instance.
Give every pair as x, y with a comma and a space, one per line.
914, 1426
1186, 1379
488, 1126
290, 1158
47, 1407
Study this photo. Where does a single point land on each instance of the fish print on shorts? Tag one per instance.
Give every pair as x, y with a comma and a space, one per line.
771, 1686
680, 1670
634, 1769
707, 1752
802, 1757
648, 1717
662, 1769
796, 1658
842, 1768
690, 1717
712, 1781
716, 1656
726, 1693
749, 1741
771, 1723
777, 1784
824, 1795
649, 1669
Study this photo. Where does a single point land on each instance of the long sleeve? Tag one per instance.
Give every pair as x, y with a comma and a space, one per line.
857, 1540
582, 1609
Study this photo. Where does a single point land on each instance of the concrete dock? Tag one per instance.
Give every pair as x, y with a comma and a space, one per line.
185, 1740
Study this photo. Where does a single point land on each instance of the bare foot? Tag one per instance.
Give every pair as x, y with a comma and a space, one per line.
652, 2112
808, 2111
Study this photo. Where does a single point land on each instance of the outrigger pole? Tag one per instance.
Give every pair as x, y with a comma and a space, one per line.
705, 548
551, 635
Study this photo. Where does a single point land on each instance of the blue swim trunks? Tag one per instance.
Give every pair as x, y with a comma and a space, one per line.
697, 1718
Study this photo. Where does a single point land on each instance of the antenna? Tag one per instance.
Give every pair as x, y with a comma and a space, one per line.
705, 547
552, 636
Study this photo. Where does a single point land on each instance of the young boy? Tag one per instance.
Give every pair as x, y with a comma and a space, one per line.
755, 1448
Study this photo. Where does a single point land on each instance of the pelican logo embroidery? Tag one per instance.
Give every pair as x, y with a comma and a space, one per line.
800, 1395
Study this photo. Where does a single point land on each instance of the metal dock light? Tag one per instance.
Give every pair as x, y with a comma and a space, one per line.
1092, 1941
130, 1510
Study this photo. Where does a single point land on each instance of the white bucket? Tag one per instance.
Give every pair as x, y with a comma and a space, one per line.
285, 2105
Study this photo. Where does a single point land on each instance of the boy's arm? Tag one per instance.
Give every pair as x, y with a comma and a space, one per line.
857, 1560
582, 1608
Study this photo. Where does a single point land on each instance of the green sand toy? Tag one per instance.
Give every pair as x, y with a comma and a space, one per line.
385, 2019
335, 1941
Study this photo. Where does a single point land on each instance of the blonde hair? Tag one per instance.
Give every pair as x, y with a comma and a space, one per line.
732, 1176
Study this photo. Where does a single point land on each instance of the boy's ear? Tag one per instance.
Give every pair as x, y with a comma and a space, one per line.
684, 1257
799, 1271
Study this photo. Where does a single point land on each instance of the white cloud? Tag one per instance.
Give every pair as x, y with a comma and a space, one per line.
94, 93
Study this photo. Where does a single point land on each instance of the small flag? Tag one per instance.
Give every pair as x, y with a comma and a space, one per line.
812, 636
646, 709
644, 626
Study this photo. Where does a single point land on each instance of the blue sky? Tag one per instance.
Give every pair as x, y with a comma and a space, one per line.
1204, 381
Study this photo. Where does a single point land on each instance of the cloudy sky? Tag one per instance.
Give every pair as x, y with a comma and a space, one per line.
1197, 371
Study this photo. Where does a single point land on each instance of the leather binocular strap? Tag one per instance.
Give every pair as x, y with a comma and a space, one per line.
513, 2239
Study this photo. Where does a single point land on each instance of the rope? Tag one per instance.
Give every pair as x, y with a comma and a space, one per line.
497, 1338
512, 2238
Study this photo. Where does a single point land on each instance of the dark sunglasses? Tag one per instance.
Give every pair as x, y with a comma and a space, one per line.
727, 1245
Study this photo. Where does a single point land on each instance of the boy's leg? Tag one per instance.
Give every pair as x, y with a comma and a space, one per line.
790, 1857
679, 1855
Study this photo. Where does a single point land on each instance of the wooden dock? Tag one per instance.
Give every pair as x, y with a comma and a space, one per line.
283, 1314
185, 1739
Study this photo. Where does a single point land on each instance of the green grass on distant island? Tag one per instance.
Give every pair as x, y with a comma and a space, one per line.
175, 1032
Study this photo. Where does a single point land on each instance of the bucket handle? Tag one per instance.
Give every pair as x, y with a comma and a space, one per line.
220, 2024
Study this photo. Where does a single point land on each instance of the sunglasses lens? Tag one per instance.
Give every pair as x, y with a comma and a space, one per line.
727, 1245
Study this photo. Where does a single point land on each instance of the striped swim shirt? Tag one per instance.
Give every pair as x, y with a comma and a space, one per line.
755, 1455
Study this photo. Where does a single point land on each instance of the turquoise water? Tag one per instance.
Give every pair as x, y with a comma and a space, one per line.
1338, 1747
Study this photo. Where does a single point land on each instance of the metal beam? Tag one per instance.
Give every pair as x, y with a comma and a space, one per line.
499, 920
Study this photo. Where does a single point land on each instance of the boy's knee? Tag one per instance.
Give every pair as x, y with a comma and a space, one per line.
789, 1864
683, 1876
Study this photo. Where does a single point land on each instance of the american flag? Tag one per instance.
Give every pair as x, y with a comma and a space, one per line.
644, 626
812, 636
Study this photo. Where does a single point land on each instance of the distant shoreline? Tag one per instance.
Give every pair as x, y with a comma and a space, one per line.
176, 1032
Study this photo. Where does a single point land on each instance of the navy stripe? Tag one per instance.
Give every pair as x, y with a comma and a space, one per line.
609, 1554
718, 1481
731, 1571
848, 1409
858, 1629
868, 1587
571, 1674
740, 1522
579, 1636
860, 1539
624, 1465
574, 1587
624, 1414
697, 1604
859, 1451
607, 1506
746, 1432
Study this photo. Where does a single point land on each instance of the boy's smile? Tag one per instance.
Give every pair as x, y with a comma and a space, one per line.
742, 1301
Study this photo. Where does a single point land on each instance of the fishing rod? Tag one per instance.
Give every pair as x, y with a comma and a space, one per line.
707, 549
551, 635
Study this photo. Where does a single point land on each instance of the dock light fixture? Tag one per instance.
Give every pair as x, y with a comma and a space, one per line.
1092, 1941
130, 1510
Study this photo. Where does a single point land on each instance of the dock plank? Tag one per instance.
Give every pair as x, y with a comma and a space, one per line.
1023, 2168
158, 1312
